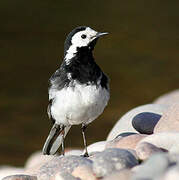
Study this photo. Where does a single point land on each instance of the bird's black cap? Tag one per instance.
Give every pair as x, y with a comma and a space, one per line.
67, 43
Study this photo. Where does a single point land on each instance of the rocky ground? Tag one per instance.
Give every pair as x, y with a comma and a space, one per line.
143, 145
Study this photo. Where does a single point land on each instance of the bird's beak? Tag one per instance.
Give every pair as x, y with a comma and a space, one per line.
99, 34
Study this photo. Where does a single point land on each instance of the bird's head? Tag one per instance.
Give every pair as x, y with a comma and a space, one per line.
81, 37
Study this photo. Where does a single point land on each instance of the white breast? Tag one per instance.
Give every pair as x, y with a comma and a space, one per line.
79, 104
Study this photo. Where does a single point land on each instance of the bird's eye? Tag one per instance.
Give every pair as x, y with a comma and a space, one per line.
83, 36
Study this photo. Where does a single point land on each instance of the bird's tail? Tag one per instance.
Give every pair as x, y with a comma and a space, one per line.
54, 139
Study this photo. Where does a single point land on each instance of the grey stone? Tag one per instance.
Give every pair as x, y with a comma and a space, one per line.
145, 122
20, 177
124, 124
111, 160
62, 164
154, 167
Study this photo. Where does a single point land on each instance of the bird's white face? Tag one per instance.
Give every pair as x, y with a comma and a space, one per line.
83, 38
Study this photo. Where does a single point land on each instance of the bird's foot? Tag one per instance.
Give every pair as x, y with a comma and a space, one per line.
85, 155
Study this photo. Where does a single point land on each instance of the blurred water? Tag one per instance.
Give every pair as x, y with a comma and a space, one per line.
140, 56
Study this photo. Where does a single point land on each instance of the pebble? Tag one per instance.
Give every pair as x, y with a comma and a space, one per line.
62, 164
145, 122
96, 147
124, 124
110, 160
145, 150
84, 173
20, 177
169, 121
166, 140
168, 98
154, 167
128, 142
124, 174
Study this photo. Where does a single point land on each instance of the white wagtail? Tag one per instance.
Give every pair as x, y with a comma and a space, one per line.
79, 90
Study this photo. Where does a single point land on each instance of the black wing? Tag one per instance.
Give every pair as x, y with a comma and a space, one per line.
59, 79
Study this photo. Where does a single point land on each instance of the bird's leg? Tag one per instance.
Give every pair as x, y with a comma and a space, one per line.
63, 146
83, 128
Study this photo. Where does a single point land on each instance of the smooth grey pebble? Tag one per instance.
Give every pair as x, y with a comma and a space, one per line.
154, 167
112, 159
145, 122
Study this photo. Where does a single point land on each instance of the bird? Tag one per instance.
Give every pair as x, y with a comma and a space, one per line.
78, 90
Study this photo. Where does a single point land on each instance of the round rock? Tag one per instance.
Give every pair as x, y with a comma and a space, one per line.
145, 122
124, 124
127, 142
169, 121
110, 160
62, 164
153, 168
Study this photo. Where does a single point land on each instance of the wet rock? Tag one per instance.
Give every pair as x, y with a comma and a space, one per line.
110, 160
169, 121
124, 174
153, 168
96, 147
62, 164
84, 173
128, 142
20, 177
145, 122
145, 150
168, 98
167, 141
124, 124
